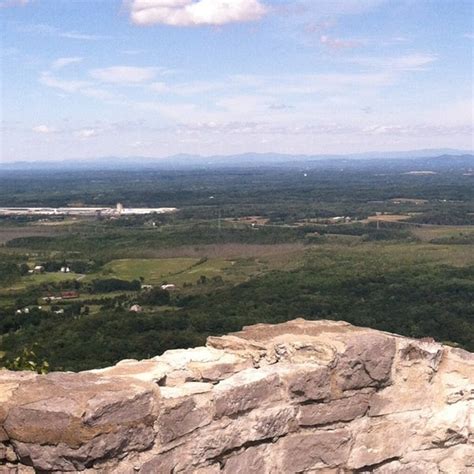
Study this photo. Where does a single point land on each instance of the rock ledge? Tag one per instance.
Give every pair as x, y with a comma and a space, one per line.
298, 397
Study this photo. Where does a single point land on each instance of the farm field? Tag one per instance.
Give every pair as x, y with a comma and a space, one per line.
428, 233
179, 271
387, 218
152, 271
186, 271
13, 232
41, 278
286, 260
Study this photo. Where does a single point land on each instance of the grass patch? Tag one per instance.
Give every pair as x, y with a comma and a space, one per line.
39, 278
153, 271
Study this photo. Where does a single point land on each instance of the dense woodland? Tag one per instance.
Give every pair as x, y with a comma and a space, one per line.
413, 275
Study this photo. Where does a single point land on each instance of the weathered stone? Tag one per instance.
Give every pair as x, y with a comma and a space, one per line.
344, 409
162, 463
249, 461
396, 467
9, 382
10, 455
16, 469
309, 383
74, 408
450, 425
457, 459
224, 367
181, 416
367, 361
245, 391
144, 370
63, 457
214, 469
315, 450
416, 366
377, 440
228, 434
428, 352
317, 397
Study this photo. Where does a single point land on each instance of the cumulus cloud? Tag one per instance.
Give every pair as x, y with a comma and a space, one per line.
195, 13
124, 74
44, 129
63, 62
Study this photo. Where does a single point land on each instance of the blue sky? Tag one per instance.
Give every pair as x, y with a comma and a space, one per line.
91, 78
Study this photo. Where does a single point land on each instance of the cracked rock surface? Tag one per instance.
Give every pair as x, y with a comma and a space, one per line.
298, 397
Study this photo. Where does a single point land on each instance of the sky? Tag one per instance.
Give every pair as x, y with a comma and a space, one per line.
84, 79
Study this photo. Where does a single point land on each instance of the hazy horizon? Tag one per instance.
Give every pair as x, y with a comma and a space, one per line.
82, 80
244, 160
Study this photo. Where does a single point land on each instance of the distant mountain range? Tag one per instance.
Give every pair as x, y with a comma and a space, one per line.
444, 157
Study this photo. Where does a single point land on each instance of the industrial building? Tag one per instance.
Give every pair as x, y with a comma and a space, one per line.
119, 210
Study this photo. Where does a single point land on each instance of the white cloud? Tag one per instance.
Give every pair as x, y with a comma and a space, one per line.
191, 13
124, 74
44, 129
85, 88
48, 30
49, 80
416, 130
409, 62
86, 133
159, 87
63, 62
100, 94
469, 35
338, 43
324, 9
81, 36
280, 85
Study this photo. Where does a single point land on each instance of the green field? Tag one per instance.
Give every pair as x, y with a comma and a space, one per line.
428, 233
153, 271
176, 270
39, 278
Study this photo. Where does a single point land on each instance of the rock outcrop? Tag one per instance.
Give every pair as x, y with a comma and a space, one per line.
297, 397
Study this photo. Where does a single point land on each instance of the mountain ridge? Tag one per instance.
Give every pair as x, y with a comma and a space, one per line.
249, 159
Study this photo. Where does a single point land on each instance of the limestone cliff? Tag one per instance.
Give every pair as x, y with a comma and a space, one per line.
298, 397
